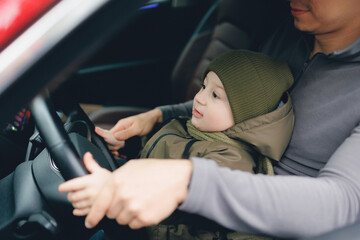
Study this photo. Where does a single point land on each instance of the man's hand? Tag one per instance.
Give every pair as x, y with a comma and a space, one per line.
142, 193
84, 190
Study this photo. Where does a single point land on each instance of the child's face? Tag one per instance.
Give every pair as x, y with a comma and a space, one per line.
211, 109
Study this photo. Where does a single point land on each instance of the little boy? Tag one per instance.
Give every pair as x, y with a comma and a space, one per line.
242, 118
234, 119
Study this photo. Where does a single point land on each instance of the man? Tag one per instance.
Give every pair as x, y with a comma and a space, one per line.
325, 145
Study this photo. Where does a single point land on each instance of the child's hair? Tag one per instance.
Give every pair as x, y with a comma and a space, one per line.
253, 82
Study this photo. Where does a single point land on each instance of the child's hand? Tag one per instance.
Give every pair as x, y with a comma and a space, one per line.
136, 125
84, 190
113, 144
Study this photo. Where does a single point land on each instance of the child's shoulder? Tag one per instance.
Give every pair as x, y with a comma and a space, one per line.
176, 126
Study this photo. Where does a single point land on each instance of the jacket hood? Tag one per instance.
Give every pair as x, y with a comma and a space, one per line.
269, 133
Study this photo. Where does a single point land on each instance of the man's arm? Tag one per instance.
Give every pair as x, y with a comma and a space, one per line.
172, 111
283, 206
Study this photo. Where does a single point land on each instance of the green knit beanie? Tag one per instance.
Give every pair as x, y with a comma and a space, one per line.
253, 82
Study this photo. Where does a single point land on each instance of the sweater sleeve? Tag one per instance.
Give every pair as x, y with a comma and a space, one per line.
281, 206
172, 111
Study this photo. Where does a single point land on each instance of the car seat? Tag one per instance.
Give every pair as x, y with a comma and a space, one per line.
228, 24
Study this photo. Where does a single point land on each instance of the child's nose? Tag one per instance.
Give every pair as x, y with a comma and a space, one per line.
200, 97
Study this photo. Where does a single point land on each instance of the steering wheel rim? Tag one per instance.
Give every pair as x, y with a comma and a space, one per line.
56, 139
64, 153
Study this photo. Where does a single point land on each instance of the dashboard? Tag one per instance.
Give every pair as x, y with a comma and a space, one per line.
14, 139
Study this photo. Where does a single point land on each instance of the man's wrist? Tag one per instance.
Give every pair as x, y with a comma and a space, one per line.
187, 167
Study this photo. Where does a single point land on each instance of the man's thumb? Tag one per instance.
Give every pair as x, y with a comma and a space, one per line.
90, 163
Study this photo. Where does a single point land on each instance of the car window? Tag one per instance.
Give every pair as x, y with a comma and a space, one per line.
17, 15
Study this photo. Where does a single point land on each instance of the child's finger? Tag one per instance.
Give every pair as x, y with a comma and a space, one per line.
82, 204
109, 137
122, 124
102, 132
112, 141
115, 153
77, 196
90, 163
126, 133
81, 212
75, 184
119, 145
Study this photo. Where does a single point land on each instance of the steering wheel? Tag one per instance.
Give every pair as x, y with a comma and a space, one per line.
57, 141
65, 155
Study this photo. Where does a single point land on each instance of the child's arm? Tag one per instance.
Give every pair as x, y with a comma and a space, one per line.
83, 190
137, 125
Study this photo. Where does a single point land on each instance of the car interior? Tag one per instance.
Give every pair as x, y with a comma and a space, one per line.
123, 59
226, 25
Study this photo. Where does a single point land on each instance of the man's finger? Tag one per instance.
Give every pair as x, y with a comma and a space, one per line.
114, 208
119, 144
135, 223
124, 217
99, 207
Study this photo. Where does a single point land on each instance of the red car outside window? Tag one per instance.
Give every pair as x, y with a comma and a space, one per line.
17, 15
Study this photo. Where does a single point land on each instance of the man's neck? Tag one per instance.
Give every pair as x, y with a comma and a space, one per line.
334, 41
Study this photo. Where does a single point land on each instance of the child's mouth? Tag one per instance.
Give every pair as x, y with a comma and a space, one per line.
196, 113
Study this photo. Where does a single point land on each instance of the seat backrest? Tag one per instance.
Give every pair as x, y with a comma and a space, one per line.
229, 24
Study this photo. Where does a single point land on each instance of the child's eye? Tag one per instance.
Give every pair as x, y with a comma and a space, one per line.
203, 86
215, 95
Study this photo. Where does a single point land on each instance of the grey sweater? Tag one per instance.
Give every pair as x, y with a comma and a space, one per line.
317, 186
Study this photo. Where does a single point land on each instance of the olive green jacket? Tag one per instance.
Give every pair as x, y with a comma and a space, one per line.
266, 135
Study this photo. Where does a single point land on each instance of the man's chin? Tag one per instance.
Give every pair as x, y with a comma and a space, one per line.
300, 25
